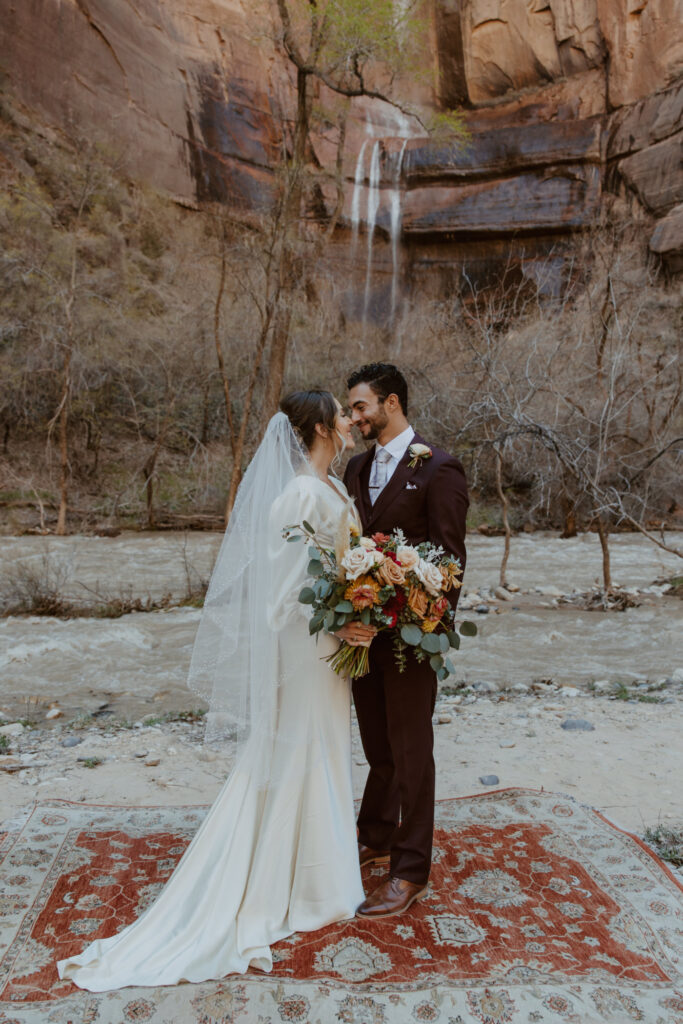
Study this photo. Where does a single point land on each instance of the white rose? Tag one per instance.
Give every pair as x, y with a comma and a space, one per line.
368, 543
357, 561
408, 557
420, 450
430, 576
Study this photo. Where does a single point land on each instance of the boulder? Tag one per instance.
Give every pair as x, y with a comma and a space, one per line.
667, 239
656, 174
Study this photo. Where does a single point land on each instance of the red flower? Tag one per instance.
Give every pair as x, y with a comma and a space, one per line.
392, 617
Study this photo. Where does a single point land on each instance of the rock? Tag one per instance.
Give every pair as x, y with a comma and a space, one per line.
676, 675
571, 691
142, 753
503, 594
54, 713
152, 762
577, 725
543, 686
520, 688
602, 685
485, 686
656, 175
208, 755
71, 741
549, 590
482, 609
444, 719
507, 744
489, 780
513, 588
13, 729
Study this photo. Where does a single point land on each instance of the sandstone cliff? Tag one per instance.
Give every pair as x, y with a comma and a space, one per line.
567, 101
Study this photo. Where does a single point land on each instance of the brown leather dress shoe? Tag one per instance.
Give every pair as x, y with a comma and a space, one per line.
393, 896
368, 856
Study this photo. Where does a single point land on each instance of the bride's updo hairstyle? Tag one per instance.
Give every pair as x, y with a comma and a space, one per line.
306, 408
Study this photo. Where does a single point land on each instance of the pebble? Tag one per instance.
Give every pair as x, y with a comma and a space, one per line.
13, 729
602, 685
485, 686
152, 762
54, 713
503, 594
444, 719
482, 609
578, 724
549, 591
142, 753
513, 588
507, 744
520, 688
571, 691
71, 741
677, 675
489, 780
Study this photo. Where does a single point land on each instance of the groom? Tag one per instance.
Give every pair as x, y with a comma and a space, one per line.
428, 502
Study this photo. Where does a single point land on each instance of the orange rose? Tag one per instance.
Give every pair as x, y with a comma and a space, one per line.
391, 573
418, 601
362, 593
438, 608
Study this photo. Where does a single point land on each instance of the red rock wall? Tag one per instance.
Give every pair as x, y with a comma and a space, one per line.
565, 99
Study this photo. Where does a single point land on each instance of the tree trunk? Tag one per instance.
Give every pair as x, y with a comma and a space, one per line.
502, 497
64, 445
603, 534
217, 342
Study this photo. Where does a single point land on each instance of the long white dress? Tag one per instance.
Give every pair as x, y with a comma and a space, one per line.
265, 862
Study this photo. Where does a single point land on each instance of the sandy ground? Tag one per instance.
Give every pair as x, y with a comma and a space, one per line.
107, 677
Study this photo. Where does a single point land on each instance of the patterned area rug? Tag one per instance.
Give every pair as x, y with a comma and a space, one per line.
539, 911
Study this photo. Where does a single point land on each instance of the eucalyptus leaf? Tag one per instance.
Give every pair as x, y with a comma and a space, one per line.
315, 567
343, 606
450, 666
443, 640
411, 634
442, 674
365, 616
307, 595
307, 526
430, 643
436, 662
329, 620
294, 537
468, 628
453, 639
315, 625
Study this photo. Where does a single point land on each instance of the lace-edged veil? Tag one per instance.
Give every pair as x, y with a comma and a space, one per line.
234, 664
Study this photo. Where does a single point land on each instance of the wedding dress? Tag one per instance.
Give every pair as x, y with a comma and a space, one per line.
268, 860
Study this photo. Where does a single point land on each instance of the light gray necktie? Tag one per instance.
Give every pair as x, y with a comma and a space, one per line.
379, 474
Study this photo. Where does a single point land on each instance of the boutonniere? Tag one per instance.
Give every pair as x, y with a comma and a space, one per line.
418, 452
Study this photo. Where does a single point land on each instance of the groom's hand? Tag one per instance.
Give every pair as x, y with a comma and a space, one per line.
355, 633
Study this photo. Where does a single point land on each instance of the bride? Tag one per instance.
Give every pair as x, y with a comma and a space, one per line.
277, 852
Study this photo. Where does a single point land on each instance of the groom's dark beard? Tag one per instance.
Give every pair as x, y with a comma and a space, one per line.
377, 425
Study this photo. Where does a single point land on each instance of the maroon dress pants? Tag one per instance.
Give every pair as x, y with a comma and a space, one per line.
394, 712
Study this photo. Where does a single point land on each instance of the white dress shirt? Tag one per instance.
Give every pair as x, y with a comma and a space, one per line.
397, 449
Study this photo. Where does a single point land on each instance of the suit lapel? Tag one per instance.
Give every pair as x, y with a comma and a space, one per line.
399, 479
359, 481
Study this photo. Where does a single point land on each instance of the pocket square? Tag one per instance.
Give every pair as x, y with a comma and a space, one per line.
411, 487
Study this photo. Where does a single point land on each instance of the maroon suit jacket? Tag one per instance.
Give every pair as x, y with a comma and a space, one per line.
428, 502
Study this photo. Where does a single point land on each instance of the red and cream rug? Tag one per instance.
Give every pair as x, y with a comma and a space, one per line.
539, 910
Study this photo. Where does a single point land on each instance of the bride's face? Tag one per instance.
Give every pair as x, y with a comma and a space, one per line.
342, 426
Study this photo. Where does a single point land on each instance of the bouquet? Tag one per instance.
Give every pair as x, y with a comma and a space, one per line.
385, 582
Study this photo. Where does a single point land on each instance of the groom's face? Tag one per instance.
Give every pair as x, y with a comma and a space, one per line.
367, 411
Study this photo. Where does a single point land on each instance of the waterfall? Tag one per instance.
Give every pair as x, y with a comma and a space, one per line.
371, 220
355, 201
395, 227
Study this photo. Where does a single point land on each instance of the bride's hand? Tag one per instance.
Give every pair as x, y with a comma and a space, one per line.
356, 634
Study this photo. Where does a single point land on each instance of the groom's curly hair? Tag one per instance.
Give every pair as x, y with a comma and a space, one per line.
384, 379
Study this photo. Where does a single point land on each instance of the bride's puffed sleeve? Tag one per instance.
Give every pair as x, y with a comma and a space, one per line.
288, 561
